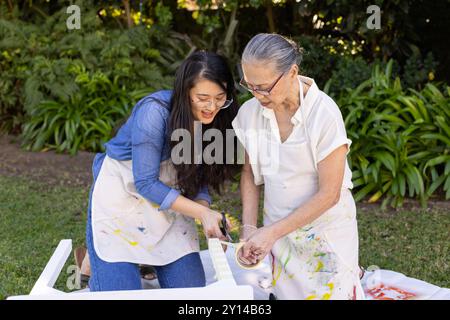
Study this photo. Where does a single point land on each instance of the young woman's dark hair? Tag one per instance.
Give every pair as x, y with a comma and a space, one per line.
213, 67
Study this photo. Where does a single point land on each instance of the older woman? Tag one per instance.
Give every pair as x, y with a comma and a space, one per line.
296, 145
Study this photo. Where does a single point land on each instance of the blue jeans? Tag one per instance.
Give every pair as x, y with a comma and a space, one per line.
106, 276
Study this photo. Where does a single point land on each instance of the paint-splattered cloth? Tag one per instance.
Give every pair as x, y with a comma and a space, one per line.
378, 284
129, 228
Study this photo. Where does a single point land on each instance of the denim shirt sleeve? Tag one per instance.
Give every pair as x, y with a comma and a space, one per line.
203, 194
147, 139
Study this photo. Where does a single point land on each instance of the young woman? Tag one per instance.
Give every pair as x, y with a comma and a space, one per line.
142, 205
310, 228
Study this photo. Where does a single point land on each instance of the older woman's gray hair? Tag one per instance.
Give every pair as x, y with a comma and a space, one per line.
272, 47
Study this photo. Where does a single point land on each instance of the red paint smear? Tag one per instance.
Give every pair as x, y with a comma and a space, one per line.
354, 293
273, 265
379, 293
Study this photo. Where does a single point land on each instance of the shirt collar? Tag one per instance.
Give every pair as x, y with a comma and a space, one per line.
267, 112
308, 102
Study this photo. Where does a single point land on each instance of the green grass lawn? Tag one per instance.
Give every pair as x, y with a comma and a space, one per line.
34, 218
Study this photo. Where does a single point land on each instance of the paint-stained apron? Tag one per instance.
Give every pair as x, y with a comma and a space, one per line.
129, 228
320, 260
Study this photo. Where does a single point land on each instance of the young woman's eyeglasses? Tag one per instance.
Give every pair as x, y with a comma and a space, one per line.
264, 92
206, 104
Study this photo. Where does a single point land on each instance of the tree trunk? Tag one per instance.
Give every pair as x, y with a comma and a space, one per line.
228, 42
269, 14
10, 6
126, 4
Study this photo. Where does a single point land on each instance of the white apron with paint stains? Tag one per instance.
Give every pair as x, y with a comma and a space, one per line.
128, 228
320, 260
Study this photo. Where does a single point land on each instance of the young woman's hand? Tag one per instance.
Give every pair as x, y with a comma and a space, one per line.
211, 221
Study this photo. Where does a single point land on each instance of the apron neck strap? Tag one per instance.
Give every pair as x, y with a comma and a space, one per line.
302, 106
301, 91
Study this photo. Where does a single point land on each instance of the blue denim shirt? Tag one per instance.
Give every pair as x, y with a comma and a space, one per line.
144, 140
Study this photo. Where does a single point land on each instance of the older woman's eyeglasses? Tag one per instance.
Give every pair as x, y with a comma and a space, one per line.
264, 92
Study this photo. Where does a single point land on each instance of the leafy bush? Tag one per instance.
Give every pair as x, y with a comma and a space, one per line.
70, 88
318, 62
13, 65
349, 73
401, 138
335, 65
418, 71
82, 119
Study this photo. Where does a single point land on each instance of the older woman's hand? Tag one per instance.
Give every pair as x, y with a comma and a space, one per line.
258, 245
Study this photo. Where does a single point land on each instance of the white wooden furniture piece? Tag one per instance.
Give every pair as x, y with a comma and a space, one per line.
225, 288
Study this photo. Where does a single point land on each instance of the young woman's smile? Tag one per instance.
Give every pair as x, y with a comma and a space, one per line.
206, 98
207, 115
